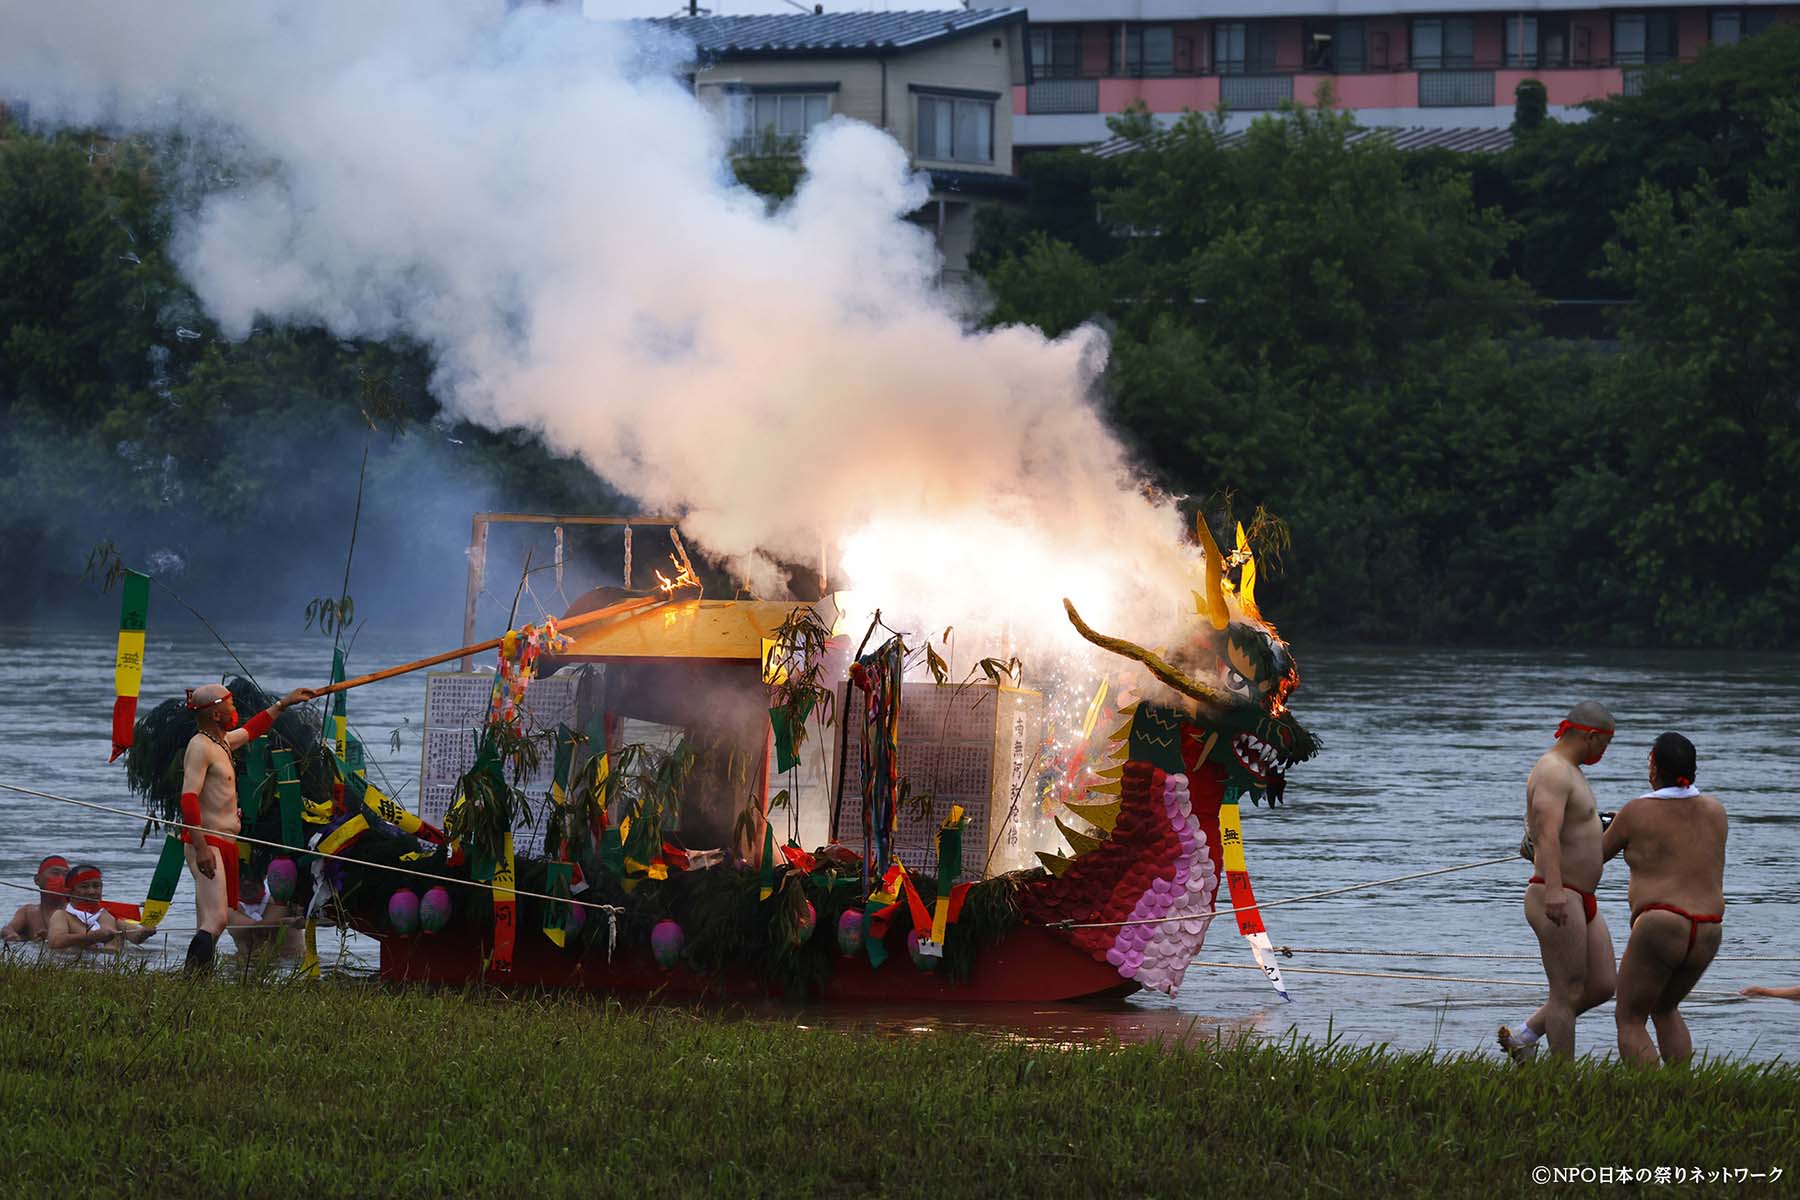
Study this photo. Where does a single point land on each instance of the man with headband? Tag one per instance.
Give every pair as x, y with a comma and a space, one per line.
85, 922
1565, 832
32, 922
209, 800
1673, 838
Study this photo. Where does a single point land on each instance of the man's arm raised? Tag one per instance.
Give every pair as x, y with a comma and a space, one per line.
263, 721
1545, 805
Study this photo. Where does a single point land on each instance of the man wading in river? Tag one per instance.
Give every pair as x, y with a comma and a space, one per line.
209, 800
1565, 834
1674, 841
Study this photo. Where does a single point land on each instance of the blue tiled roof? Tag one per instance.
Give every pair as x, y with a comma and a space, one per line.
782, 35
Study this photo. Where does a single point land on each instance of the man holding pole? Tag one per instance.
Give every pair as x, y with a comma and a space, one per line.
209, 802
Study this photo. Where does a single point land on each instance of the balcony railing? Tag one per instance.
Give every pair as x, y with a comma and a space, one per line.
1247, 93
1449, 89
1063, 96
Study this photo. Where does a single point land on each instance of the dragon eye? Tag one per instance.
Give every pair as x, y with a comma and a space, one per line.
1234, 679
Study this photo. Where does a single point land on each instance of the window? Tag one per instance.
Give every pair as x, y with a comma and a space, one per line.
1643, 37
1055, 52
1335, 47
1552, 40
956, 129
1439, 42
1150, 50
775, 122
1521, 40
1243, 46
1733, 25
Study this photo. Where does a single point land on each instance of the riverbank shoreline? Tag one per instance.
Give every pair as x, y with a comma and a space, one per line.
130, 1082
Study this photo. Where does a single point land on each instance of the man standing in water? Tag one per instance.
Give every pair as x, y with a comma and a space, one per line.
1565, 834
1674, 841
209, 800
32, 922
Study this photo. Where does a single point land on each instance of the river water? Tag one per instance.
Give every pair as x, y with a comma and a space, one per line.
1426, 753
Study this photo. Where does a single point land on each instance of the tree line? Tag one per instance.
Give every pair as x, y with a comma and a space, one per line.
1375, 345
1378, 346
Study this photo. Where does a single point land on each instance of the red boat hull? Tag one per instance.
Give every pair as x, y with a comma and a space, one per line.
1030, 966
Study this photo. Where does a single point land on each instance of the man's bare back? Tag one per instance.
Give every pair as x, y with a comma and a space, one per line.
1674, 842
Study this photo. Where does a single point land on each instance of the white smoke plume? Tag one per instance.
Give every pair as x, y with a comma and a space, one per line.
536, 196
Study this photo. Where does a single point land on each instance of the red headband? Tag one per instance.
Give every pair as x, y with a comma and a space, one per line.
1568, 725
197, 707
79, 876
55, 863
1683, 781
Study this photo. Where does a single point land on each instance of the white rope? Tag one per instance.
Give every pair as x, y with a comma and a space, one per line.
137, 816
1219, 912
1290, 951
1537, 984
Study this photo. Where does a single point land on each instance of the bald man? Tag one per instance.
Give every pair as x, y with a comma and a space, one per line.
1565, 838
209, 800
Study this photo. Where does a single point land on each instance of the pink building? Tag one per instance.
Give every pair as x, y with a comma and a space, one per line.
1430, 64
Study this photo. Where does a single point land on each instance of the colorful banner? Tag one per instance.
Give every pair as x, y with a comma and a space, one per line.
340, 709
309, 966
163, 882
506, 916
250, 782
128, 665
556, 913
949, 863
287, 794
1237, 876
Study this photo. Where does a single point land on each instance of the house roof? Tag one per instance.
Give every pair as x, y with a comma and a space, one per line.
1469, 140
836, 35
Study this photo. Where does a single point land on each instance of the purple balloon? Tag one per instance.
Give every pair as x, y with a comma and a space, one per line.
434, 910
850, 932
403, 912
281, 878
666, 941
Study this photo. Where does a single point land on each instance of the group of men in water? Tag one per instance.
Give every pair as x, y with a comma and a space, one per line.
69, 913
1673, 839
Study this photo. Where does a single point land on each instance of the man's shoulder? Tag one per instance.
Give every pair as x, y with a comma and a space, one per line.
1550, 768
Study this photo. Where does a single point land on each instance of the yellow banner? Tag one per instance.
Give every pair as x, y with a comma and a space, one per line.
1232, 834
128, 667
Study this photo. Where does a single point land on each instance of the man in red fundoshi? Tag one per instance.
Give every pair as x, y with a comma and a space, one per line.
1565, 830
209, 800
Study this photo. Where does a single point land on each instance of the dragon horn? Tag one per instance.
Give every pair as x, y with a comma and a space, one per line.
1156, 666
1246, 589
1216, 612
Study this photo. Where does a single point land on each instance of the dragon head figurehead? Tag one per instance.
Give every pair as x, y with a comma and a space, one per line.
1234, 676
1139, 892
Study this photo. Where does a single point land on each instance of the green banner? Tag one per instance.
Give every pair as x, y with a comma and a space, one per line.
251, 780
163, 882
287, 792
557, 877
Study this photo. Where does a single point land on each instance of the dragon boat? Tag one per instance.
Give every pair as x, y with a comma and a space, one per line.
656, 865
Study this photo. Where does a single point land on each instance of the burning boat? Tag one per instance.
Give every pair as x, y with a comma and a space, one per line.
613, 814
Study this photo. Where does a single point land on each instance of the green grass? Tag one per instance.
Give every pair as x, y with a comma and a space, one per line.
135, 1083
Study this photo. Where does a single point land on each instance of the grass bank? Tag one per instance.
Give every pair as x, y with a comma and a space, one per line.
134, 1083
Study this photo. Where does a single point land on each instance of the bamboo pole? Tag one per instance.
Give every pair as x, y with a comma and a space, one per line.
622, 608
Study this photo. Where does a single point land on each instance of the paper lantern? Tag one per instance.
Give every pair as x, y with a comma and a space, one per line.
850, 932
434, 910
403, 912
666, 941
924, 962
281, 878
